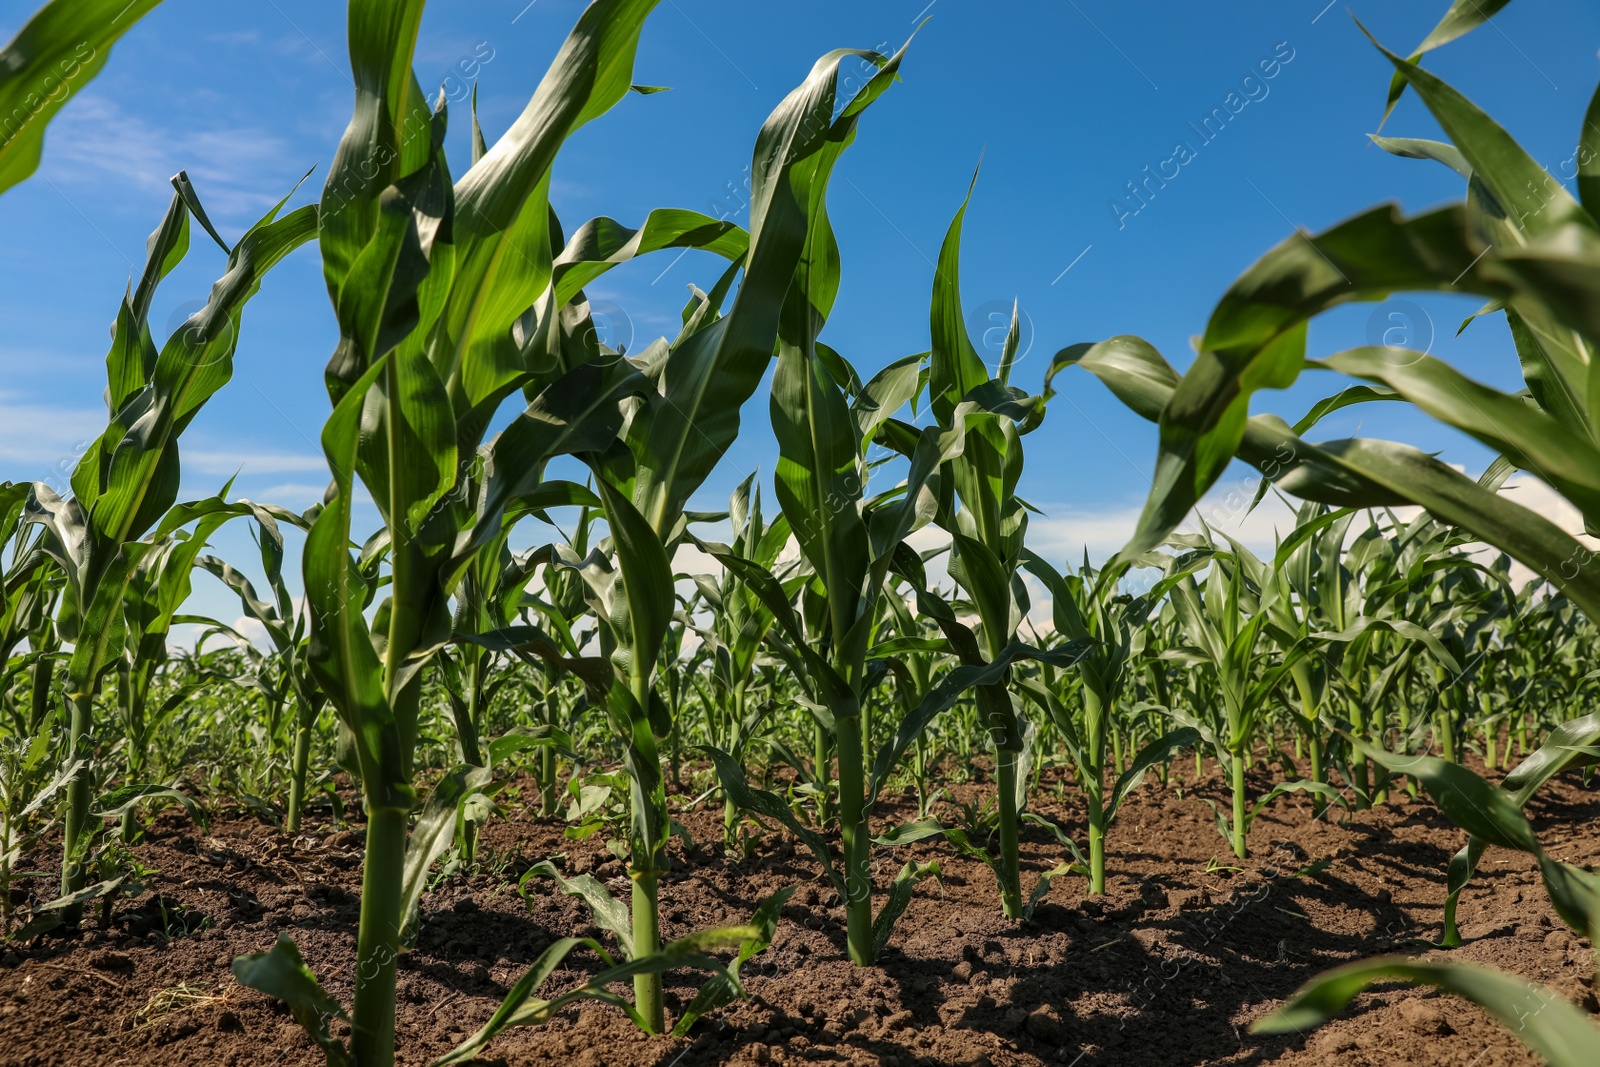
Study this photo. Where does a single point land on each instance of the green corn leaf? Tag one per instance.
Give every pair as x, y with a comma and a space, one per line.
1042, 888
1129, 366
723, 987
432, 834
602, 243
610, 914
524, 738
57, 52
1553, 368
341, 651
900, 890
1300, 785
778, 600
1347, 397
769, 805
1370, 473
680, 437
389, 137
954, 367
43, 918
282, 973
643, 602
886, 393
1539, 1018
125, 798
909, 833
132, 357
1535, 200
502, 232
1418, 148
1462, 17
1403, 628
819, 481
1155, 753
521, 1008
1464, 798
1142, 379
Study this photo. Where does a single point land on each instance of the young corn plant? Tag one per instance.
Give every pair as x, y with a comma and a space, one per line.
1224, 623
986, 520
1087, 607
685, 419
848, 542
976, 443
825, 423
286, 675
740, 630
447, 302
126, 483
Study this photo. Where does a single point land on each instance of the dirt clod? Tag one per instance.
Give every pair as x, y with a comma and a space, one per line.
1424, 1016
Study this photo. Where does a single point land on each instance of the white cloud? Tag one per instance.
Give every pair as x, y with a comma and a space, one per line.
226, 463
96, 144
294, 494
1063, 534
252, 630
42, 442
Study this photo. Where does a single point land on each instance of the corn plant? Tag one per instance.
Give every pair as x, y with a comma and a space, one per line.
125, 484
739, 632
427, 280
682, 426
29, 591
986, 521
1225, 624
286, 676
848, 542
1089, 608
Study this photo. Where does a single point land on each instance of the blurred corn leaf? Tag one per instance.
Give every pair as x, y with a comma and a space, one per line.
59, 51
1553, 1028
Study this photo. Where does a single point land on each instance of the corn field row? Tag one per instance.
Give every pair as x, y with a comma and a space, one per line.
872, 621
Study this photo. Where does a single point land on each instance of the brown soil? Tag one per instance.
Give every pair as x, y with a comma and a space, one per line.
1170, 967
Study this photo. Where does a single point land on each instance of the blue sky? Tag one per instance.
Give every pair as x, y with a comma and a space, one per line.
1065, 103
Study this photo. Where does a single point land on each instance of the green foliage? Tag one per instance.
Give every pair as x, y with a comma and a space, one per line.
817, 658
